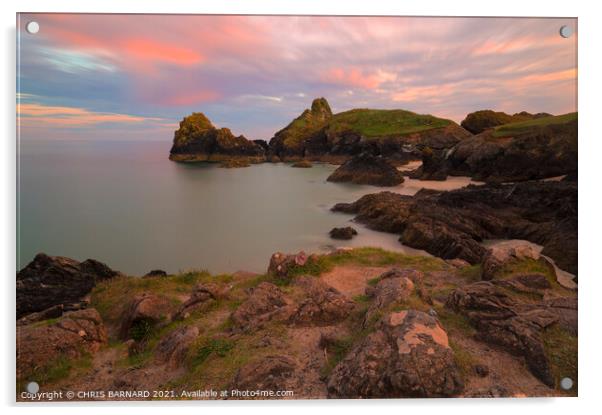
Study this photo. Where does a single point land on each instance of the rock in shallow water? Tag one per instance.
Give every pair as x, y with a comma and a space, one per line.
367, 169
342, 233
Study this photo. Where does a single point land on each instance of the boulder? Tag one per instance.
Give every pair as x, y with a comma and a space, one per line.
271, 373
51, 312
73, 334
407, 356
323, 304
202, 295
281, 264
48, 281
266, 302
144, 312
198, 140
174, 347
498, 257
367, 169
342, 233
393, 287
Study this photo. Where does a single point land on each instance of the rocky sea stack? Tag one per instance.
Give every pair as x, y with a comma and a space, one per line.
198, 140
367, 169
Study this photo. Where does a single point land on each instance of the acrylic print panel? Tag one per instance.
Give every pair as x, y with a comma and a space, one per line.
296, 207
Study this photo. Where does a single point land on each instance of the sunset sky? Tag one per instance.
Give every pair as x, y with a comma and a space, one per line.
121, 77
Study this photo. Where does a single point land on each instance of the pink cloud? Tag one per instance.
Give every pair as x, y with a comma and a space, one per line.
190, 98
38, 114
352, 78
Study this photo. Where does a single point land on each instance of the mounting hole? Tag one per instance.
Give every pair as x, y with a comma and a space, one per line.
566, 31
32, 387
566, 383
32, 27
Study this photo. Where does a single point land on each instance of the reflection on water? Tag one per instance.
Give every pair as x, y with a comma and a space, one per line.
126, 204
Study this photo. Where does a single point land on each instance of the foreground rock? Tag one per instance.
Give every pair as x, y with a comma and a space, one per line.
49, 281
202, 296
144, 312
479, 121
392, 287
75, 333
173, 348
407, 356
281, 264
517, 326
342, 233
512, 152
272, 373
265, 303
323, 304
453, 224
198, 140
367, 169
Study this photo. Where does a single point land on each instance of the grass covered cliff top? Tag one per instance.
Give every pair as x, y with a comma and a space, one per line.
378, 123
370, 123
521, 127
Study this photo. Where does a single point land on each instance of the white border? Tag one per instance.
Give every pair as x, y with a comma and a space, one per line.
590, 152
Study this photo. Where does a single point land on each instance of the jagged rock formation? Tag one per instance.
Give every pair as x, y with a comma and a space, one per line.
536, 149
367, 169
452, 224
49, 281
479, 121
514, 324
198, 140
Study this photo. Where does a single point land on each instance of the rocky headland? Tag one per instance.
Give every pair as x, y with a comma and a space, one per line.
479, 121
361, 323
540, 148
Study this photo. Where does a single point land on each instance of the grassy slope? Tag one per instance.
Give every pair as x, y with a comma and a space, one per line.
379, 123
214, 358
515, 128
367, 122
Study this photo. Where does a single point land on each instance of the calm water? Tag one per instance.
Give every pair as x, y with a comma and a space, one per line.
127, 205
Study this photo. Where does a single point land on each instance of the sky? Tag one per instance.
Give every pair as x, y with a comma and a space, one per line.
134, 77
